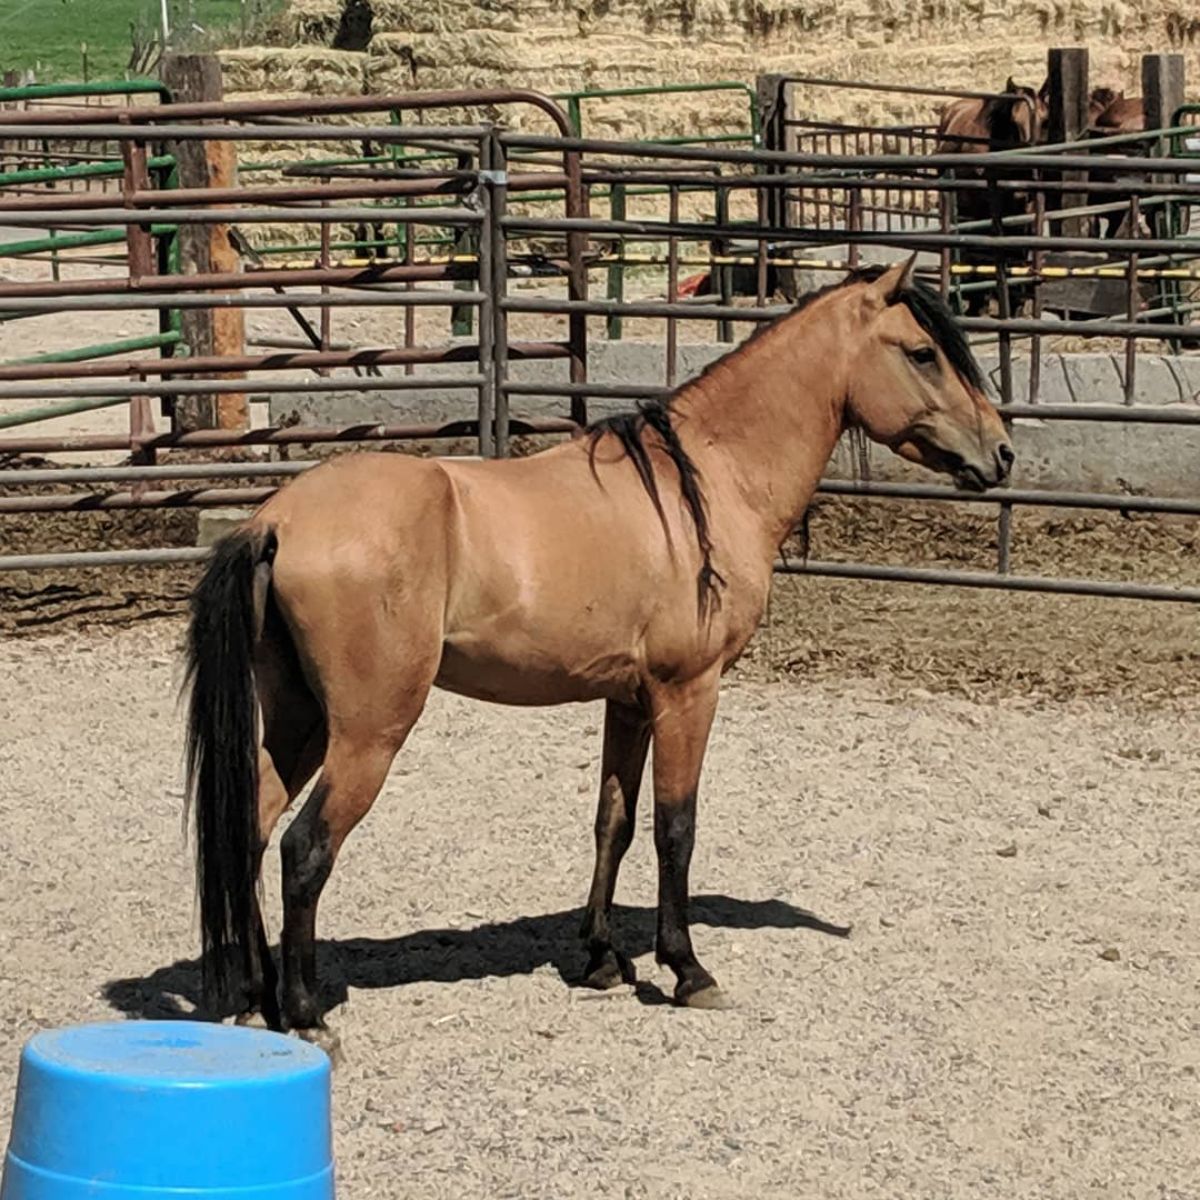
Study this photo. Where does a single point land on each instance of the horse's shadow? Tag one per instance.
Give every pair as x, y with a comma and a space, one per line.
517, 947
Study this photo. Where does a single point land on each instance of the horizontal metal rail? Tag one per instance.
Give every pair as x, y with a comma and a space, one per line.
298, 360
819, 235
120, 392
132, 302
101, 87
289, 435
1030, 497
899, 89
282, 277
37, 218
1008, 160
983, 579
155, 126
82, 560
41, 476
434, 185
88, 559
828, 487
302, 107
1134, 414
119, 501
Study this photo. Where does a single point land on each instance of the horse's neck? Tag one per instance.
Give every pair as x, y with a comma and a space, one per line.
766, 419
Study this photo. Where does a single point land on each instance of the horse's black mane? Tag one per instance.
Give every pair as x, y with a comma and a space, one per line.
629, 428
927, 308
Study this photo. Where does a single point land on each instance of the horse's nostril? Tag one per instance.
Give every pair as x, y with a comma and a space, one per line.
1006, 456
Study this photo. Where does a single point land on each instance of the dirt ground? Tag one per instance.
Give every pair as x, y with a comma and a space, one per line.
958, 930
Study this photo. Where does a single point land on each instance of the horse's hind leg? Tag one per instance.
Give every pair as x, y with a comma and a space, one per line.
292, 748
626, 739
369, 712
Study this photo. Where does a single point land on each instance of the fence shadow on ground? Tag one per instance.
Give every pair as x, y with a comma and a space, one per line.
517, 947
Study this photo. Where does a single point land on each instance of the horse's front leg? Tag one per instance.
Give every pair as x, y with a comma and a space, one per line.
626, 739
681, 717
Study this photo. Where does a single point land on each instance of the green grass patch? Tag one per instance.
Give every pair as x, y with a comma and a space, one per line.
47, 37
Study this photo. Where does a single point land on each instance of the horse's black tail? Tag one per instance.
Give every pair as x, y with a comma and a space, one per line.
222, 756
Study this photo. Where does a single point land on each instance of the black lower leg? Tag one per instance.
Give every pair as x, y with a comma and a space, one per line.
307, 862
268, 991
614, 833
626, 739
674, 837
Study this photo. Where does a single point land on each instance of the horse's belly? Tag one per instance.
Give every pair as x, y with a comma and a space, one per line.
521, 671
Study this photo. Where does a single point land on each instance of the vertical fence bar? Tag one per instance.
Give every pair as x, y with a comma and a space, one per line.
498, 175
462, 316
1004, 305
723, 273
855, 224
142, 262
408, 232
1039, 258
761, 271
944, 254
616, 272
326, 314
578, 204
490, 316
672, 285
1132, 299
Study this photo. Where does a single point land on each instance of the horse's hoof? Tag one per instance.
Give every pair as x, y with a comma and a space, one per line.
325, 1039
710, 997
254, 1020
611, 971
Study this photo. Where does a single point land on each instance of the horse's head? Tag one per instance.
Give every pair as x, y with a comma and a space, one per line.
1101, 99
915, 386
1024, 110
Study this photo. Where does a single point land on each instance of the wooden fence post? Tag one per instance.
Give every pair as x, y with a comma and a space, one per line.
1067, 72
194, 78
1162, 88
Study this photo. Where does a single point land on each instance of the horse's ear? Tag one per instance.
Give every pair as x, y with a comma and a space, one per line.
1044, 90
1010, 86
895, 281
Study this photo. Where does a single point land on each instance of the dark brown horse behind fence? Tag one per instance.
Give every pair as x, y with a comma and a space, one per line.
629, 565
1012, 121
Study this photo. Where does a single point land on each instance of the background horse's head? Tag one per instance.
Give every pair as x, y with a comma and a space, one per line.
915, 386
1099, 100
1006, 122
1017, 118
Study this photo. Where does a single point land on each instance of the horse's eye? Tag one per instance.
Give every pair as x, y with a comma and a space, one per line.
923, 356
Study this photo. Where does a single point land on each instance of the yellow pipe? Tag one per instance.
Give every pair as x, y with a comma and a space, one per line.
809, 264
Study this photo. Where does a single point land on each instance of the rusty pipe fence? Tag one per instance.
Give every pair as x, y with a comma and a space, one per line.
152, 216
484, 186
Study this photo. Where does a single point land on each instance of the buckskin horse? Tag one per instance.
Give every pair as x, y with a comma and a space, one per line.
630, 564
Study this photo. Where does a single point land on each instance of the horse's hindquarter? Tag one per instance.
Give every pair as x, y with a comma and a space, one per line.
564, 586
360, 573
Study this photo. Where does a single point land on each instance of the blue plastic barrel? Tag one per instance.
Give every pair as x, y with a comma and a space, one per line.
158, 1108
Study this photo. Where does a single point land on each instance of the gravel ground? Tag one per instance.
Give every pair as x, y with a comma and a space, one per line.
1011, 1014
